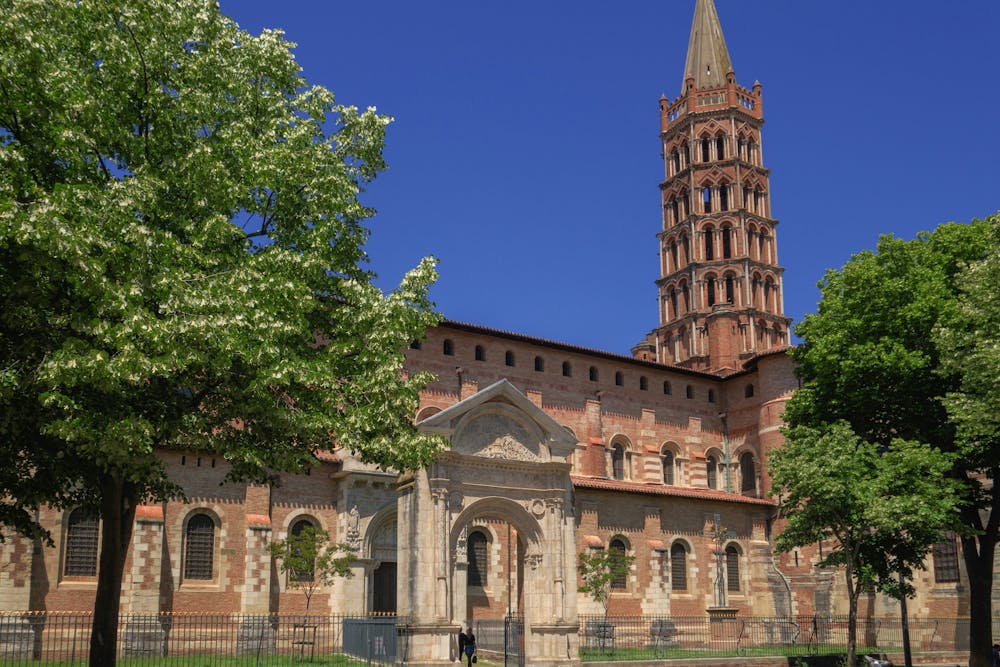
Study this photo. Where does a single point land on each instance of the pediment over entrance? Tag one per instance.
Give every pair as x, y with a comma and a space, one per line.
500, 422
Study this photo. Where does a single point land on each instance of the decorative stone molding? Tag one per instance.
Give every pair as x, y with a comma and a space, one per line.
352, 536
533, 561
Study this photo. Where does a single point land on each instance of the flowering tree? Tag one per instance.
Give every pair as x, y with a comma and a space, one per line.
183, 266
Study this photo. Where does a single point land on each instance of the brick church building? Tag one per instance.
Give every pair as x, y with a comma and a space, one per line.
554, 449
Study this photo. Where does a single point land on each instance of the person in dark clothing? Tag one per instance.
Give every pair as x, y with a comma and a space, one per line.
996, 655
467, 645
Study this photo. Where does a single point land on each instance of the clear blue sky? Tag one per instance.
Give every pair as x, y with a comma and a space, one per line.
525, 152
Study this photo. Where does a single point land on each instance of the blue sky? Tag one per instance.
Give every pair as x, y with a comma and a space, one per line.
525, 152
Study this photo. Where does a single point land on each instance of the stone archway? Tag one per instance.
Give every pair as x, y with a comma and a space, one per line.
507, 460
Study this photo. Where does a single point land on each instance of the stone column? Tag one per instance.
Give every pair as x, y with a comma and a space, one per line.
17, 637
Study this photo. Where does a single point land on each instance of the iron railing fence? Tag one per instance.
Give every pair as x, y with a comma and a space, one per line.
501, 638
62, 639
665, 637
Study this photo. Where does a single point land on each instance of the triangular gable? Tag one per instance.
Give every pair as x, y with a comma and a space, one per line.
520, 429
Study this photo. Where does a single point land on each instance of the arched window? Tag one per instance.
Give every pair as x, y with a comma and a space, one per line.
508, 358
768, 289
689, 391
539, 364
709, 243
618, 462
723, 197
81, 544
666, 387
720, 148
676, 208
621, 578
705, 154
567, 369
480, 353
673, 303
619, 379
593, 374
478, 560
676, 157
687, 154
727, 241
748, 476
706, 198
732, 569
448, 347
710, 290
643, 383
686, 244
730, 289
199, 547
678, 567
667, 460
945, 555
712, 472
748, 391
673, 255
307, 573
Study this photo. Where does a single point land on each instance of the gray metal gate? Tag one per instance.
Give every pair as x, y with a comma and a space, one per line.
372, 638
513, 633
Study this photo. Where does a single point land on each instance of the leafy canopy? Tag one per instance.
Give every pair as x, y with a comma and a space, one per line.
599, 570
310, 561
182, 258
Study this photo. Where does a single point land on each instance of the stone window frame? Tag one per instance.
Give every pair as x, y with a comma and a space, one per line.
627, 453
213, 582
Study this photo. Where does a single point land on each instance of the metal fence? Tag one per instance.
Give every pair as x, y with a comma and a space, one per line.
52, 639
502, 639
666, 637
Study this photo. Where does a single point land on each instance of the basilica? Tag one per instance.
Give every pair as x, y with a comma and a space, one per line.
554, 450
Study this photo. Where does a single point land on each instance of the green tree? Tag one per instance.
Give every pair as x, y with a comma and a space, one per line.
968, 337
310, 562
881, 509
599, 570
182, 265
868, 356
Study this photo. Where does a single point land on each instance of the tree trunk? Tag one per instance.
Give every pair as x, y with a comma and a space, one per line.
117, 515
978, 554
979, 567
852, 616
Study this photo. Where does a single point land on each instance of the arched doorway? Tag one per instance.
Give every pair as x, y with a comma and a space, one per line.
506, 471
381, 550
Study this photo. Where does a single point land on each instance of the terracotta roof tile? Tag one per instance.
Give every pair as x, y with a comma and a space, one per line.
603, 484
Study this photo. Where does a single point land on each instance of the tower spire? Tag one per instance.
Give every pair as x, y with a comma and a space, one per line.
707, 57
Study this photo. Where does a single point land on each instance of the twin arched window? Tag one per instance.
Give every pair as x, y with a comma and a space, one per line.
618, 461
712, 471
748, 474
667, 459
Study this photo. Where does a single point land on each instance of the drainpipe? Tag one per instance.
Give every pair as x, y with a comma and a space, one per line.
725, 442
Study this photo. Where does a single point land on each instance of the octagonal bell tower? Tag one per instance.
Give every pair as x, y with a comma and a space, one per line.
720, 287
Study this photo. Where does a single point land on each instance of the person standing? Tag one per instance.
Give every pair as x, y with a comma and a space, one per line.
467, 646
